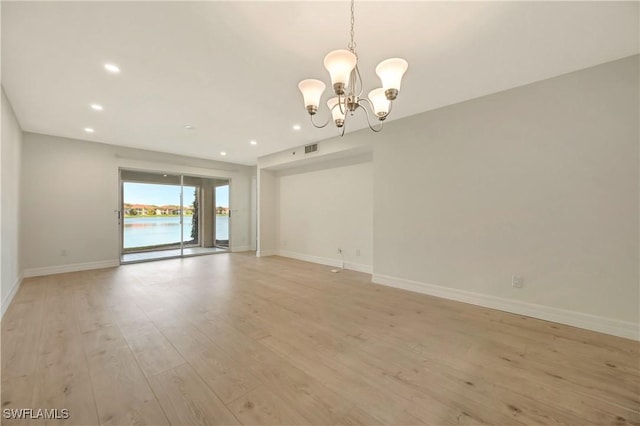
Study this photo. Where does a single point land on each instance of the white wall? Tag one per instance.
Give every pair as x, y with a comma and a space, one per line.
253, 235
316, 229
70, 192
10, 153
268, 212
322, 210
540, 181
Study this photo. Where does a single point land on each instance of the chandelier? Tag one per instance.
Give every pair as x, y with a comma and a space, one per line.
347, 85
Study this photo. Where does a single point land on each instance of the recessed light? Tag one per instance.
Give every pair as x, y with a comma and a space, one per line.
253, 142
296, 127
96, 107
89, 130
223, 153
164, 175
112, 68
189, 127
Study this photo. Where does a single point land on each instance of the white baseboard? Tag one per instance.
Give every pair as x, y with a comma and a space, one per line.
359, 267
73, 267
9, 297
615, 327
336, 263
238, 249
265, 253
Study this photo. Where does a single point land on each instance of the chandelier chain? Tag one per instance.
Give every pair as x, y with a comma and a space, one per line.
352, 43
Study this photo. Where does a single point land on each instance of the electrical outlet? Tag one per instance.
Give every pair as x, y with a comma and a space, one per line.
357, 252
516, 281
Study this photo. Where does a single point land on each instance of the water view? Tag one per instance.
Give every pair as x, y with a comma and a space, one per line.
144, 231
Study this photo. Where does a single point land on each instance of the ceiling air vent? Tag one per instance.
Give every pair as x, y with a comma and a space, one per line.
310, 148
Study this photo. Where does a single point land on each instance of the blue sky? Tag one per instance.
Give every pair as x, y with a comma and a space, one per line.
145, 193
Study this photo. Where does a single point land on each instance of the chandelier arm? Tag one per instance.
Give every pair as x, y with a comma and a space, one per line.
321, 125
371, 106
340, 104
360, 80
342, 129
353, 80
366, 111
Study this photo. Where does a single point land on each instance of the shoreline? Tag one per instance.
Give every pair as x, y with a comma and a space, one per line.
164, 215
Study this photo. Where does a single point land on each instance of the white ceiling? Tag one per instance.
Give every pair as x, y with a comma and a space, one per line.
231, 69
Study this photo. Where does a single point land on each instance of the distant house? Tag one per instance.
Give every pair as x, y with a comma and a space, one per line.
169, 209
140, 209
172, 209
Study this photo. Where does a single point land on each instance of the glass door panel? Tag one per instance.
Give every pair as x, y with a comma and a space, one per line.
190, 220
222, 214
151, 216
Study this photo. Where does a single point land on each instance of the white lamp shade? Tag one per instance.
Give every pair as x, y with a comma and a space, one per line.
391, 71
311, 91
340, 63
379, 101
335, 112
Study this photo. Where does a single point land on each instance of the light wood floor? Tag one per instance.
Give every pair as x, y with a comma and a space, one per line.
231, 338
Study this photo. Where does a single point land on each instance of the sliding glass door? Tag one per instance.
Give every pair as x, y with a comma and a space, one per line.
167, 215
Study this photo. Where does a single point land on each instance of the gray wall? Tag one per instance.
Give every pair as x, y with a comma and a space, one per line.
10, 153
70, 192
323, 210
539, 181
268, 213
